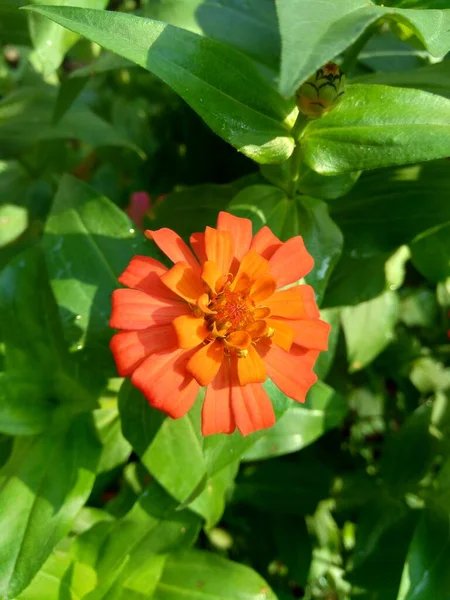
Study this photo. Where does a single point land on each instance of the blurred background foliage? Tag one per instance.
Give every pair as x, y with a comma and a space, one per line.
347, 496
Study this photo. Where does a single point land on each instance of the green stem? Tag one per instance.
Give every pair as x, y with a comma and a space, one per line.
296, 158
352, 53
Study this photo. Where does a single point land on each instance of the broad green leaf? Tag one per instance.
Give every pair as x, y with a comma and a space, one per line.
85, 228
26, 118
301, 424
391, 207
13, 222
378, 126
309, 38
430, 78
135, 543
25, 404
250, 27
44, 484
368, 328
425, 575
418, 307
60, 577
13, 23
50, 41
292, 488
308, 217
385, 52
199, 575
116, 449
429, 375
233, 99
430, 253
408, 454
325, 360
385, 528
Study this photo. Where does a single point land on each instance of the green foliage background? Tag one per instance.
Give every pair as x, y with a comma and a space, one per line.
348, 496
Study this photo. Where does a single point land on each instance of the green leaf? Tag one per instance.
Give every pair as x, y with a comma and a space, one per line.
309, 38
434, 78
26, 117
134, 544
391, 207
85, 228
250, 27
284, 487
13, 23
233, 99
200, 575
60, 577
430, 253
408, 454
368, 328
44, 484
50, 41
425, 575
13, 222
301, 424
378, 126
116, 449
308, 217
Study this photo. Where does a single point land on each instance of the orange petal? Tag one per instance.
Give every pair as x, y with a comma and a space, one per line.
263, 288
261, 313
184, 281
217, 416
190, 331
205, 363
219, 248
241, 232
144, 273
252, 266
290, 371
311, 334
129, 348
257, 329
197, 241
251, 368
291, 262
163, 380
265, 243
173, 246
294, 303
252, 408
283, 333
211, 274
135, 310
239, 339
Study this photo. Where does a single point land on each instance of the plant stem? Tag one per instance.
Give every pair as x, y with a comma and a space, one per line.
296, 157
353, 52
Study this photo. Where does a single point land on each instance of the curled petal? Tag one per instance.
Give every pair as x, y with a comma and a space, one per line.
266, 243
283, 333
130, 348
184, 281
190, 331
239, 339
212, 275
173, 246
251, 368
291, 262
294, 303
257, 329
197, 241
252, 408
217, 414
205, 363
164, 381
135, 310
263, 288
219, 248
241, 231
251, 268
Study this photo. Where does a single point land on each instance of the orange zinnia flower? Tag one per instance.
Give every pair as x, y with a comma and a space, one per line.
222, 319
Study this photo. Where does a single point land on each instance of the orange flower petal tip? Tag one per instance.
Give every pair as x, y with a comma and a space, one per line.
219, 319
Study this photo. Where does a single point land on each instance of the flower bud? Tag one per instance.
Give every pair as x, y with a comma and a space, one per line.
321, 91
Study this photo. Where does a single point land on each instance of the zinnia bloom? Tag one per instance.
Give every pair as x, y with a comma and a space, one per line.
221, 318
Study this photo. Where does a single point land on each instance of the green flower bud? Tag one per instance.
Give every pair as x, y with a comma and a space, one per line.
321, 91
